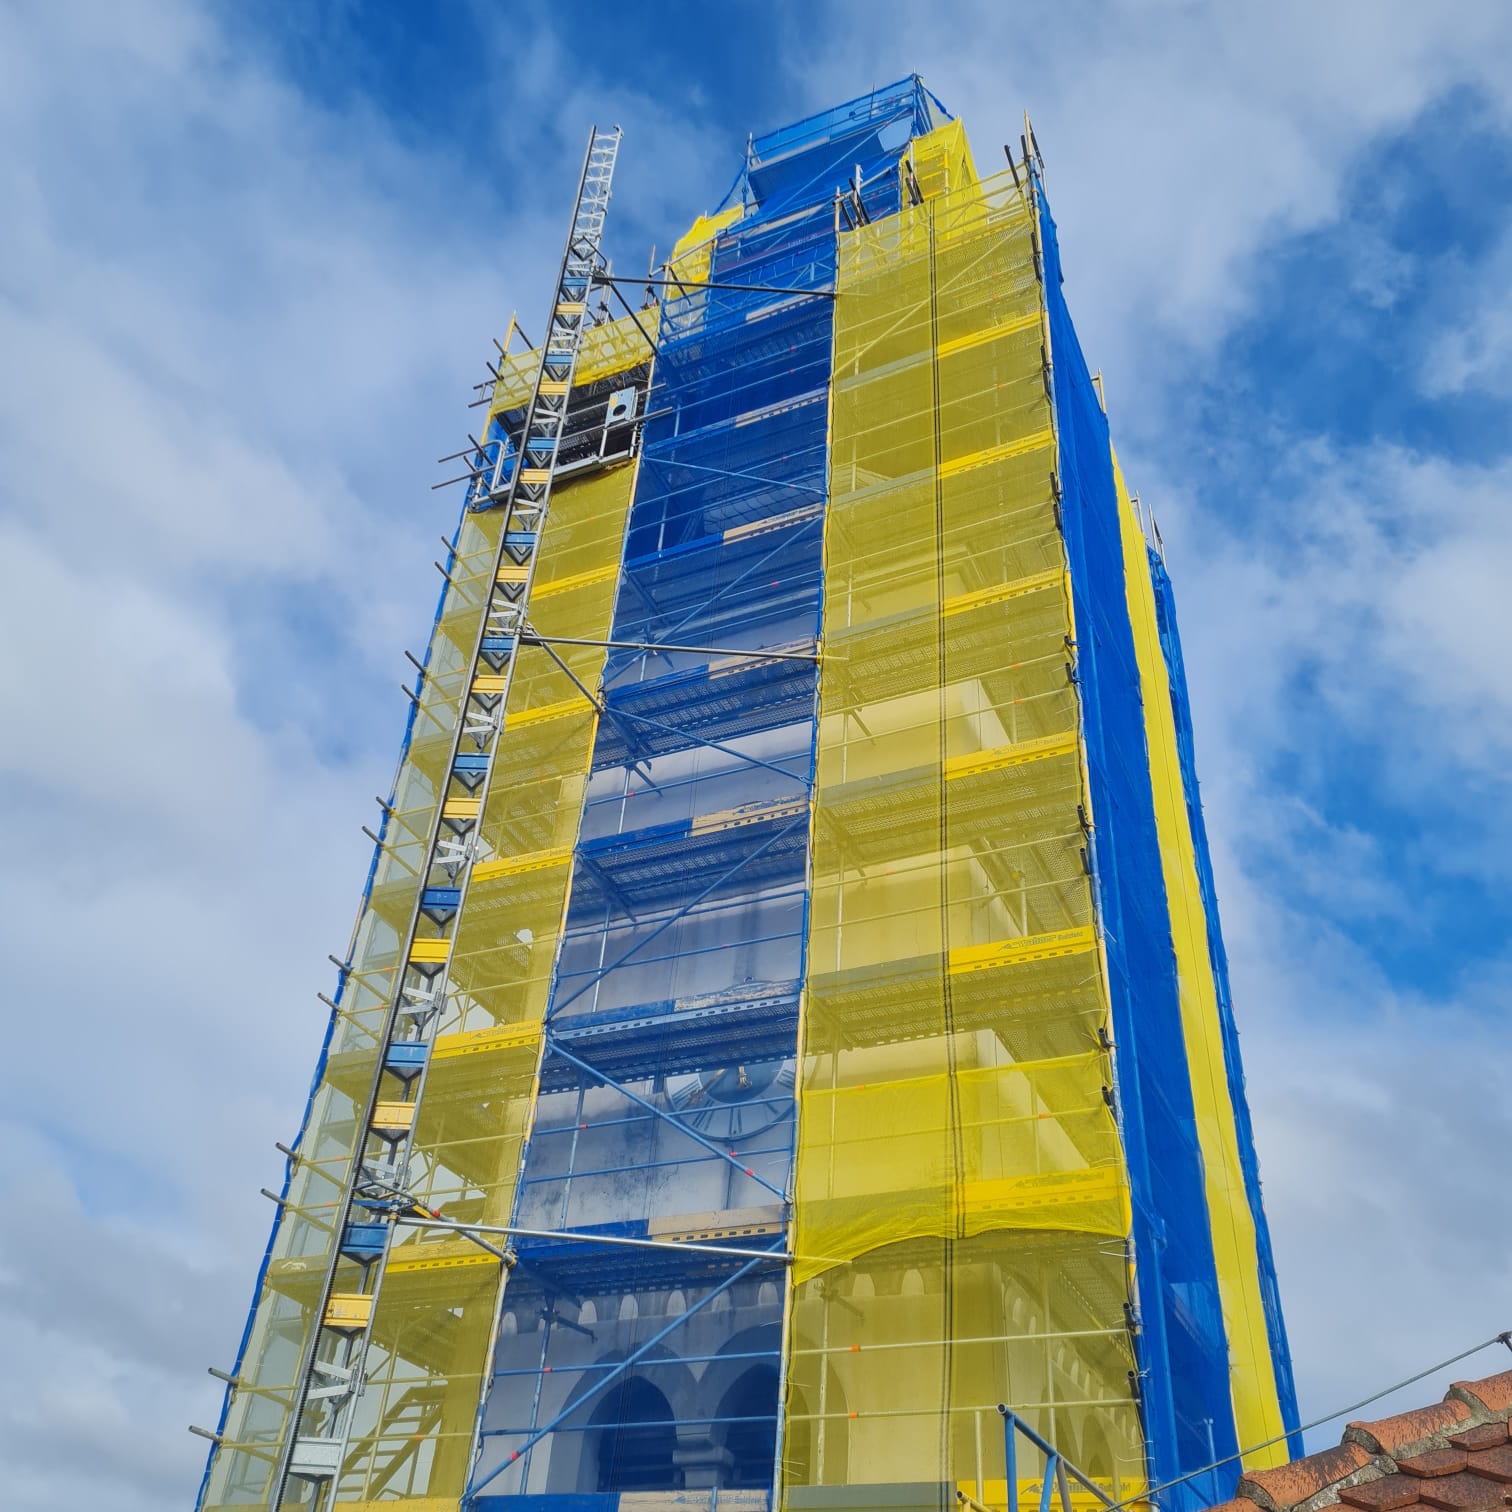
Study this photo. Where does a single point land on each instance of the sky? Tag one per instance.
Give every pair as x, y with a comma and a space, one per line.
253, 260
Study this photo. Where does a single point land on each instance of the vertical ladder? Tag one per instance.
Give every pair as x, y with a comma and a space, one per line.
331, 1374
523, 480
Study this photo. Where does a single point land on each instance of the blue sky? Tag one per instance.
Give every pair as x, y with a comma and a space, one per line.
253, 260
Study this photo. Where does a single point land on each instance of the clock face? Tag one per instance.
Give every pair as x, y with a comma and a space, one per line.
731, 1103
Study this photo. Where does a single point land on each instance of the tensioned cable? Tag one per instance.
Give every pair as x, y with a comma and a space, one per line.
1505, 1337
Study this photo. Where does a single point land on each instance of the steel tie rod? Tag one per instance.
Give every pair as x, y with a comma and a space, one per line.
514, 1231
620, 645
684, 284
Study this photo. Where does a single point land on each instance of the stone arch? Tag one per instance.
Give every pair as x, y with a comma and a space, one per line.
731, 1361
740, 1391
805, 1439
748, 1426
632, 1439
1096, 1450
591, 1432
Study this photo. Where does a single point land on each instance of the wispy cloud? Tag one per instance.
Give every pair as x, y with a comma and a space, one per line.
1475, 351
1183, 139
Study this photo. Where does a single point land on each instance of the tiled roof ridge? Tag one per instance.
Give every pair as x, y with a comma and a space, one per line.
1453, 1456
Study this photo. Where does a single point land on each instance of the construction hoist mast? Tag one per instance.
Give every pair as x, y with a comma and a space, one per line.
375, 1196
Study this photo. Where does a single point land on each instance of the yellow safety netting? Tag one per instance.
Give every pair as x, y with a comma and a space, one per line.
942, 163
283, 1314
693, 254
413, 1425
412, 1433
610, 347
1252, 1372
961, 1203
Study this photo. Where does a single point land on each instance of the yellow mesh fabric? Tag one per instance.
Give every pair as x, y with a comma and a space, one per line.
942, 162
608, 348
283, 1314
961, 1204
412, 1434
1257, 1407
694, 252
413, 1426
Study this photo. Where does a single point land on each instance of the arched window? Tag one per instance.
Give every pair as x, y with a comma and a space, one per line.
635, 1439
1097, 1454
749, 1413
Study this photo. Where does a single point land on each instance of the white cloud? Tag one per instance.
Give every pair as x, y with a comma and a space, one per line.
1378, 1115
1180, 139
1474, 352
1371, 571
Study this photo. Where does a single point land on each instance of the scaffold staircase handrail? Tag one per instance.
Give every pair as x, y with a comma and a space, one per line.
1055, 1480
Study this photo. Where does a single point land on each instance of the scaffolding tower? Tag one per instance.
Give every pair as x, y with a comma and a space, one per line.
787, 1017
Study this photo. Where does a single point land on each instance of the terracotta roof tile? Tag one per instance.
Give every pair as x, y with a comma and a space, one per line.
1496, 1464
1494, 1393
1287, 1485
1487, 1436
1455, 1456
1462, 1493
1410, 1432
1434, 1462
1384, 1495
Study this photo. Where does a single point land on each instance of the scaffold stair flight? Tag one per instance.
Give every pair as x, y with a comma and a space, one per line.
516, 480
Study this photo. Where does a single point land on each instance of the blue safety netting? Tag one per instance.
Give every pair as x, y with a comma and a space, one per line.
677, 986
806, 162
1183, 1351
1275, 1326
